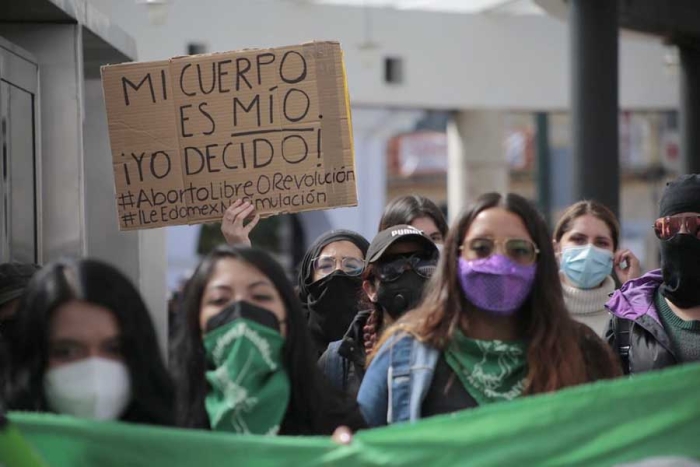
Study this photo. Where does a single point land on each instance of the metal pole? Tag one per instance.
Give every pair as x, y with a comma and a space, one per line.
543, 165
690, 107
594, 101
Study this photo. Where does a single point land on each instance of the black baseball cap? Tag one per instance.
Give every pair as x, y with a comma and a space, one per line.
14, 278
387, 237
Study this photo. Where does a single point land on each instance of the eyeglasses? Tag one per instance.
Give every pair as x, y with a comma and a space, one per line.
326, 265
519, 250
666, 228
392, 268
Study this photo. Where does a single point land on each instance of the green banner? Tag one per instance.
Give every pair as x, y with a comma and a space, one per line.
621, 422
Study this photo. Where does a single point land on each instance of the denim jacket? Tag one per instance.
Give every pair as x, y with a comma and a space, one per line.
397, 381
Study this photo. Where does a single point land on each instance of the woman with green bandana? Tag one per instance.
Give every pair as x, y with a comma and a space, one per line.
492, 327
243, 359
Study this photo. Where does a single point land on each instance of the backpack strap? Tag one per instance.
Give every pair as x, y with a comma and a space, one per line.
621, 330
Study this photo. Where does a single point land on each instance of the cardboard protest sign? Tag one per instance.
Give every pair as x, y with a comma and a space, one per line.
190, 135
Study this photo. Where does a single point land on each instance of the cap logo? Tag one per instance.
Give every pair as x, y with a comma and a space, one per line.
406, 231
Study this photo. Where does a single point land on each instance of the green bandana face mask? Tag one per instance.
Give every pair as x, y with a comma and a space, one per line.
490, 371
249, 388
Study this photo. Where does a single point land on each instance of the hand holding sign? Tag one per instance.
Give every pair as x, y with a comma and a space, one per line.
232, 226
190, 135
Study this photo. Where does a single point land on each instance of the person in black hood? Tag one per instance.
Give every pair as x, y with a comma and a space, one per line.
330, 285
656, 318
399, 262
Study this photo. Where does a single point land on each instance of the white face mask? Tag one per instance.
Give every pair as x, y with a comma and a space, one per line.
95, 388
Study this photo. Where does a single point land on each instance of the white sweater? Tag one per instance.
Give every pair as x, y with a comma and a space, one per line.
587, 306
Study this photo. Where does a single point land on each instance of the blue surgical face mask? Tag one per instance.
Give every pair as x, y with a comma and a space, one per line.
586, 267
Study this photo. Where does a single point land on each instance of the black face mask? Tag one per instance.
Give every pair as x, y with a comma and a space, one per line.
245, 310
400, 295
332, 303
680, 257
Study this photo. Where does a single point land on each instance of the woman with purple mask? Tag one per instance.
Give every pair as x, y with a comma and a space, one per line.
492, 327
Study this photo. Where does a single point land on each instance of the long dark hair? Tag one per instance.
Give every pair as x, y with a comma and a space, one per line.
100, 284
314, 407
406, 209
4, 373
555, 357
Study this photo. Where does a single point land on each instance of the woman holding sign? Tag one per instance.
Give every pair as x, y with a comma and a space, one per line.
243, 359
492, 327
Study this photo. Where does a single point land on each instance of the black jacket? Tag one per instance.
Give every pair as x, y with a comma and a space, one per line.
635, 331
343, 362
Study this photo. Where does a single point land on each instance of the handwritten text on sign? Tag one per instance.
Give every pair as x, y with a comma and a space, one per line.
190, 135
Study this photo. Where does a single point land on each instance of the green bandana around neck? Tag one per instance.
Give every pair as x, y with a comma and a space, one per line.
249, 388
491, 371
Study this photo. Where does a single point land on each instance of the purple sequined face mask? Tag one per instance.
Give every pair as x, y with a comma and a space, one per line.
496, 284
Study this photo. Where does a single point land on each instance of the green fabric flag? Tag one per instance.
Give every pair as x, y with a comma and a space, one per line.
622, 422
15, 451
491, 371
